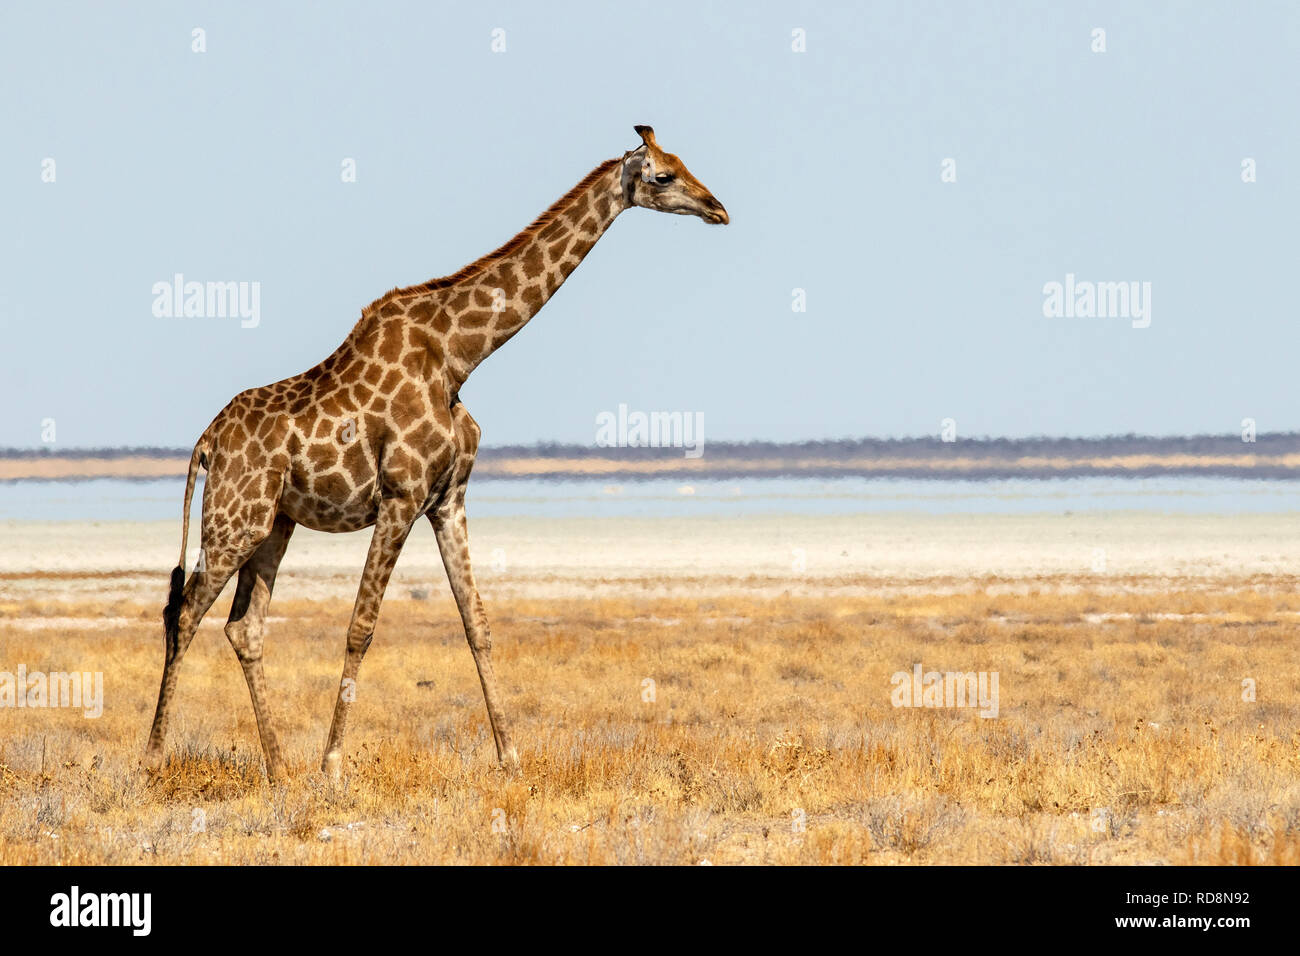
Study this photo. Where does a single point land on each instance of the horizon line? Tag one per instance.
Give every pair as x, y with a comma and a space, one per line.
555, 448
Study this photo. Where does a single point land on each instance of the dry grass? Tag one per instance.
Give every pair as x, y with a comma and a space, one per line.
1122, 735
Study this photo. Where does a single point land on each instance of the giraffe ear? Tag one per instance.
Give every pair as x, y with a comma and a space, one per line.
647, 135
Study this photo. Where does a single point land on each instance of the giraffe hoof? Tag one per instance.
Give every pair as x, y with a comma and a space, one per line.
332, 766
152, 762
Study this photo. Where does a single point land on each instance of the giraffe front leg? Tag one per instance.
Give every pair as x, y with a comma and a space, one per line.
395, 519
452, 530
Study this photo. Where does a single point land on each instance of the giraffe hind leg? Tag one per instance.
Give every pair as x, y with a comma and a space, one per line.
200, 592
246, 627
224, 551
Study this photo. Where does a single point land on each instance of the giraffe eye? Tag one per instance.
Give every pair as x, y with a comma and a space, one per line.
663, 179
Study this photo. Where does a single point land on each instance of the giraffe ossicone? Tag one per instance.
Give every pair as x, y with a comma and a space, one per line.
276, 456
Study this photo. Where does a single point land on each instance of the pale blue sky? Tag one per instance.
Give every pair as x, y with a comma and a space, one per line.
924, 298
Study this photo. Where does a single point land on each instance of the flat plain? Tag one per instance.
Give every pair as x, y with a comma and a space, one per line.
686, 690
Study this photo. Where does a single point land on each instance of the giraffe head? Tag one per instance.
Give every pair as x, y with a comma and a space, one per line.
658, 180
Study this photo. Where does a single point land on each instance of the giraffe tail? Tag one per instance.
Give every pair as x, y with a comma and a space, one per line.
172, 612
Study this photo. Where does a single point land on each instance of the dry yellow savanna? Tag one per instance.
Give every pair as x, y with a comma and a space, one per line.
1123, 733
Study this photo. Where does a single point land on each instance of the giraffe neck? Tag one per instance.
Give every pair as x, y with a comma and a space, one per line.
483, 306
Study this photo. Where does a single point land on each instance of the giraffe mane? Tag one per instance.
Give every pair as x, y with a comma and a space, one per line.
513, 245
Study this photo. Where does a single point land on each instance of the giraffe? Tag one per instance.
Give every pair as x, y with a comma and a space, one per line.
376, 435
